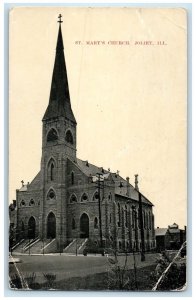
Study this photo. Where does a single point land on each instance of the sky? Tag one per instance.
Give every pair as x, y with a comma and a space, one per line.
127, 81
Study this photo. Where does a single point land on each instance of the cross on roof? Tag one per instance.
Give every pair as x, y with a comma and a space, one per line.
60, 21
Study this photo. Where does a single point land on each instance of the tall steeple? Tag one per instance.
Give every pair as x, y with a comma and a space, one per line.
59, 101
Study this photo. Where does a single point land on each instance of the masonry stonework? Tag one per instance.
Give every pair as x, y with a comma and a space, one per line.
62, 201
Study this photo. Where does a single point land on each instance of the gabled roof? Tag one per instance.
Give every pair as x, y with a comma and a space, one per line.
23, 188
160, 231
175, 230
36, 182
90, 169
173, 226
34, 185
120, 183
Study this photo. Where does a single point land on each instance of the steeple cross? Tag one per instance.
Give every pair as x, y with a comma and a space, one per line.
60, 21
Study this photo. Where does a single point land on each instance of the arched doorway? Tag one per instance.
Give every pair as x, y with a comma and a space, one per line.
84, 226
22, 232
51, 226
31, 228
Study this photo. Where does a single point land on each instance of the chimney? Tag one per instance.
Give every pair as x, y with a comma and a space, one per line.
136, 183
127, 179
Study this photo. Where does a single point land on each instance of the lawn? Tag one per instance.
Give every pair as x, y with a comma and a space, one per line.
101, 281
94, 273
95, 282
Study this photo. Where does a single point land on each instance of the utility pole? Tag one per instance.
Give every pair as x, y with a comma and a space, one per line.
99, 200
141, 228
76, 247
43, 245
29, 240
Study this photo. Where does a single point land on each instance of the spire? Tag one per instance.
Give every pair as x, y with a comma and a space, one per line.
59, 101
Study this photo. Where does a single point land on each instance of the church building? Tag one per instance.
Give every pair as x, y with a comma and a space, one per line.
71, 201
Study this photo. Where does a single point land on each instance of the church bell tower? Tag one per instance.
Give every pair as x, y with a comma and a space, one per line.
58, 144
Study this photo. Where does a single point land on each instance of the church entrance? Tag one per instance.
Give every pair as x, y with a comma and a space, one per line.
84, 226
31, 228
51, 226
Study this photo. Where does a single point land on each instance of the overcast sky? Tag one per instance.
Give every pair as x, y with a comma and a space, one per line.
129, 99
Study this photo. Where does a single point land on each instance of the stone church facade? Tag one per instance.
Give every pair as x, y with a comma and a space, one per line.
69, 198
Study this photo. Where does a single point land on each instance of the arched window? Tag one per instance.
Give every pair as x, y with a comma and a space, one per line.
122, 216
150, 223
32, 202
22, 228
52, 135
144, 220
133, 218
126, 217
51, 226
72, 178
73, 224
110, 218
69, 137
95, 223
31, 227
147, 223
96, 196
73, 199
52, 172
51, 195
130, 217
136, 219
84, 197
110, 196
119, 216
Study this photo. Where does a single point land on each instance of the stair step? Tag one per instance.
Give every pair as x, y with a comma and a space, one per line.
76, 245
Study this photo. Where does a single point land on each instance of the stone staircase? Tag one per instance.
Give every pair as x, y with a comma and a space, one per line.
43, 247
50, 246
35, 246
30, 243
23, 246
76, 246
19, 246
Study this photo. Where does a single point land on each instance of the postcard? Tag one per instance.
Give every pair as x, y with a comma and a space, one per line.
97, 148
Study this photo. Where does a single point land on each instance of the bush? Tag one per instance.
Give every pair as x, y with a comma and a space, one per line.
50, 278
93, 250
175, 278
30, 279
15, 282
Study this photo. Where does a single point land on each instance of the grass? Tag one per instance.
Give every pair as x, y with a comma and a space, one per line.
98, 282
